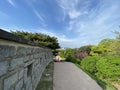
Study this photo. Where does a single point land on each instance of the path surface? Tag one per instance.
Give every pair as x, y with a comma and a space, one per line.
67, 76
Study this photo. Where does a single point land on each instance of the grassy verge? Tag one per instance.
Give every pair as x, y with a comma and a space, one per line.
46, 82
103, 85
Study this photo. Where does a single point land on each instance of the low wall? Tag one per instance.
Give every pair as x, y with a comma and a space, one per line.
21, 62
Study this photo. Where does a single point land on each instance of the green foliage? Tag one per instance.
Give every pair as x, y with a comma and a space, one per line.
71, 59
86, 49
67, 52
115, 47
55, 52
44, 40
62, 53
103, 61
89, 64
107, 47
108, 67
95, 51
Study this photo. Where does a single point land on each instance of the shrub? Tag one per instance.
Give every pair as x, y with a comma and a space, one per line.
71, 59
109, 68
89, 64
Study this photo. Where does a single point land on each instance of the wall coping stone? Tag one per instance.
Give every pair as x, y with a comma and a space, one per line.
11, 37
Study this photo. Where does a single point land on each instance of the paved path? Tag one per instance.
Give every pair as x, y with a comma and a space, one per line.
67, 76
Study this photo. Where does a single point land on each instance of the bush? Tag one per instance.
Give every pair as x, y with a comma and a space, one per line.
108, 68
89, 64
71, 59
66, 53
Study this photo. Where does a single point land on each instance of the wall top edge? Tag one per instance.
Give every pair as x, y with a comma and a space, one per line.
11, 37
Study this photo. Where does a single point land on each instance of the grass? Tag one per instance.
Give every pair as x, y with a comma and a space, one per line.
46, 82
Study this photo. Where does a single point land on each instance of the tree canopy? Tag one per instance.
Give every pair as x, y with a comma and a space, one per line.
42, 39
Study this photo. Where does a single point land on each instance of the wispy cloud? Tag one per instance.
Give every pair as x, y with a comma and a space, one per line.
93, 21
69, 8
11, 2
38, 15
85, 21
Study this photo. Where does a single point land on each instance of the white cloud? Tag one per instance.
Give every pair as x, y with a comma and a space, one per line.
31, 5
69, 8
97, 25
38, 15
11, 2
74, 14
93, 23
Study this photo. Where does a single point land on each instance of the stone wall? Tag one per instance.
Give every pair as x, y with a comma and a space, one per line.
21, 63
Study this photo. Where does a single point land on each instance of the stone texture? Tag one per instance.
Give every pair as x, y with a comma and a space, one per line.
19, 85
11, 80
26, 58
15, 72
25, 75
3, 67
21, 51
15, 63
21, 74
28, 83
7, 51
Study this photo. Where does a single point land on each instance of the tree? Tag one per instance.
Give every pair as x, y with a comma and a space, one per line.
104, 47
117, 35
86, 49
83, 51
115, 47
42, 39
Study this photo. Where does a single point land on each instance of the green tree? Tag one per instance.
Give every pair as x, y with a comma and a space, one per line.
104, 47
86, 49
117, 35
42, 39
115, 47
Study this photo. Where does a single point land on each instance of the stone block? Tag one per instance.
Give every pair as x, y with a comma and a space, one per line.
21, 74
3, 67
7, 51
29, 50
26, 76
26, 58
21, 51
19, 85
28, 83
15, 63
10, 81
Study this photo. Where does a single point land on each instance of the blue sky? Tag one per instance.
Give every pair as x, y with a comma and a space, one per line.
74, 22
